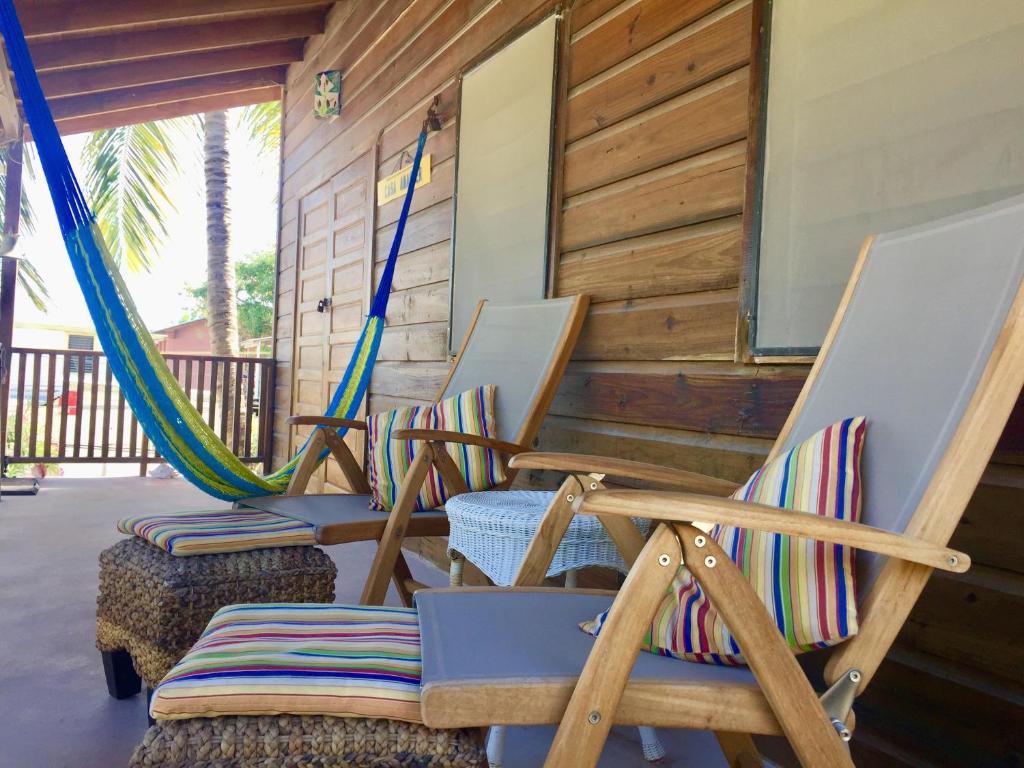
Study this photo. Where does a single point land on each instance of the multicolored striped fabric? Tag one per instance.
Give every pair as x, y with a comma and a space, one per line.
225, 530
163, 408
807, 586
299, 658
471, 412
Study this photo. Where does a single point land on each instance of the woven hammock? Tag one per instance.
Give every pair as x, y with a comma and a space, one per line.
172, 423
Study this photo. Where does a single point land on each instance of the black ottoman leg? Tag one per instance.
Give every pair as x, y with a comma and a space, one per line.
122, 679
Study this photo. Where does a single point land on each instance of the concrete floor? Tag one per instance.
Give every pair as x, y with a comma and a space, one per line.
54, 709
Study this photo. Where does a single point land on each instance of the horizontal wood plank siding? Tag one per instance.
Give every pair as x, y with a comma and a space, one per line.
650, 222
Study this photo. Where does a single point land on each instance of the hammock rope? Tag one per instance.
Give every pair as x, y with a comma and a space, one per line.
167, 416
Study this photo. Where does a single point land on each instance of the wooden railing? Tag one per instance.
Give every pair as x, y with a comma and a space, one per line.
66, 407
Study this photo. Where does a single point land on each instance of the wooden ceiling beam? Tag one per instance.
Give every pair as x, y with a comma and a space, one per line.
74, 82
163, 93
46, 18
193, 106
50, 55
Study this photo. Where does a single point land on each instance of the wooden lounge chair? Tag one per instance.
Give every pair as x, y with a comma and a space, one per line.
523, 349
152, 606
928, 344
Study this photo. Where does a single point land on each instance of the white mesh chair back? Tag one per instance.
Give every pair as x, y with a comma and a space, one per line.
518, 346
910, 349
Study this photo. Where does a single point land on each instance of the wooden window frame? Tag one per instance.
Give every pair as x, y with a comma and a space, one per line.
747, 350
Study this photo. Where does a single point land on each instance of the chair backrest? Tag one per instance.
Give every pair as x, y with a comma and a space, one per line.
917, 342
522, 348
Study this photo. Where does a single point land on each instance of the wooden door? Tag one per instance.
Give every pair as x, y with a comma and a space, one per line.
335, 254
350, 264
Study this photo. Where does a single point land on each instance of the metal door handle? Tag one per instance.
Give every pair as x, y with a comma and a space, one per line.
323, 304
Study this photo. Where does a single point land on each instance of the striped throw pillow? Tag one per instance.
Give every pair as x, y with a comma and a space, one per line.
300, 658
211, 532
807, 586
471, 412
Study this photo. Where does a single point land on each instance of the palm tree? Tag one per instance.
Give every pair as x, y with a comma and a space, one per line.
129, 174
220, 271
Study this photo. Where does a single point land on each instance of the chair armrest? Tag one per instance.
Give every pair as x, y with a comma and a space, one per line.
637, 470
444, 436
326, 421
688, 508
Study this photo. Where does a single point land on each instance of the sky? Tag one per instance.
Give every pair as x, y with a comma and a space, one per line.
179, 261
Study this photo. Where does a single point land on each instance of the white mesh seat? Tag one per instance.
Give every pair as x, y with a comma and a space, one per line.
493, 529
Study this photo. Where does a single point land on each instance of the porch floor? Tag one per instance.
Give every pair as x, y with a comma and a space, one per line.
54, 705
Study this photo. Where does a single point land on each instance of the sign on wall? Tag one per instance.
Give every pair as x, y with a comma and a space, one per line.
393, 187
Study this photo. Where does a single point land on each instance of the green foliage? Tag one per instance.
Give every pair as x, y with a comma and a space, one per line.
24, 470
29, 279
254, 281
32, 284
262, 122
130, 169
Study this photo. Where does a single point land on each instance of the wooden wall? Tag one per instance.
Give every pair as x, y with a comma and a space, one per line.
650, 220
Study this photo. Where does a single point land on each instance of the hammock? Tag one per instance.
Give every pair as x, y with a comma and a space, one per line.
172, 423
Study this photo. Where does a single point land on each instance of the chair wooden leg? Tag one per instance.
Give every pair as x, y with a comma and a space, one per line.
402, 578
776, 669
589, 717
389, 548
739, 750
548, 536
307, 464
122, 680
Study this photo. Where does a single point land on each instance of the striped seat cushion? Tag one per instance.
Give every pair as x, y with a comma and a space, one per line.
301, 658
215, 531
470, 412
807, 586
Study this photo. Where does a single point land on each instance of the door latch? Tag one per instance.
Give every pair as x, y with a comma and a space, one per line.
323, 304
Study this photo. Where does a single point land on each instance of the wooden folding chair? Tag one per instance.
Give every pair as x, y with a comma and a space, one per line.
928, 344
522, 348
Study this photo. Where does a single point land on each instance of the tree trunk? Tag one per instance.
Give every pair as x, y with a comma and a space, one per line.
221, 306
222, 311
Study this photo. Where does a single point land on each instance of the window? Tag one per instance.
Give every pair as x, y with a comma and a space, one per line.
83, 342
880, 114
503, 177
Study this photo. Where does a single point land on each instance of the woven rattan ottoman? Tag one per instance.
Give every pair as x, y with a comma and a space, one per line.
152, 606
290, 741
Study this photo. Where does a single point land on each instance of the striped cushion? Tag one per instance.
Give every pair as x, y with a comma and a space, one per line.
471, 412
807, 586
301, 658
224, 530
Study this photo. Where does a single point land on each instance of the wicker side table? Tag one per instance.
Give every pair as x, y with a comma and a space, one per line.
152, 606
493, 529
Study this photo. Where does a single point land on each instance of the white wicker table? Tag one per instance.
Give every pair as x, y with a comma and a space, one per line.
493, 529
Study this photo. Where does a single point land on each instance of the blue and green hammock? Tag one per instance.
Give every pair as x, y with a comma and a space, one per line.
167, 416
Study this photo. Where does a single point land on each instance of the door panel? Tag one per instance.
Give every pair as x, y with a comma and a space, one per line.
335, 254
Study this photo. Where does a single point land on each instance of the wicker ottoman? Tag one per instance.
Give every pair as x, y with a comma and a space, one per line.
152, 606
290, 741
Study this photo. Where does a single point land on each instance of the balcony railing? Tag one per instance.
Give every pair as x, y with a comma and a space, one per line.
66, 407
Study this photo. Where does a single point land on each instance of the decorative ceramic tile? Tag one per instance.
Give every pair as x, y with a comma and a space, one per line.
327, 93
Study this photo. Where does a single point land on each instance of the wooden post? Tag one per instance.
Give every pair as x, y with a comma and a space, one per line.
8, 285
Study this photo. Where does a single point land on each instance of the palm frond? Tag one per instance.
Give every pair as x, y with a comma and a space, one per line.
27, 224
32, 284
129, 172
262, 122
